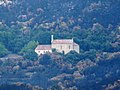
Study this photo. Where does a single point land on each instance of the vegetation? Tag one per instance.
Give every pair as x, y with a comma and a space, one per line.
28, 51
19, 86
3, 50
94, 25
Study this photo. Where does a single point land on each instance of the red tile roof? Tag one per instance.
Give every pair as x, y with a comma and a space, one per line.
63, 41
43, 47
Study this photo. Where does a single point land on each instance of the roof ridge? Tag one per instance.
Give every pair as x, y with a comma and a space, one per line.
62, 39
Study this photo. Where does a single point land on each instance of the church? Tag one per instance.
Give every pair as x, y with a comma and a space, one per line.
60, 45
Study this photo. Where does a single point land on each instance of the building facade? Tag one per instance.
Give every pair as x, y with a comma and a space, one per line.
60, 45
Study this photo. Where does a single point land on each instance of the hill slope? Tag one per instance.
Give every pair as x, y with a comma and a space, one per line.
79, 12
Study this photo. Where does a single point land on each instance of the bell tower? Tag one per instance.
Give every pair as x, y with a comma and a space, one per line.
52, 38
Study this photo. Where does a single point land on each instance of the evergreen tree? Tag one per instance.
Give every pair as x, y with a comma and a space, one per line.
28, 50
3, 50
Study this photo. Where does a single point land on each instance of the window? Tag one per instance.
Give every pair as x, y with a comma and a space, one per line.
61, 47
69, 46
63, 52
44, 51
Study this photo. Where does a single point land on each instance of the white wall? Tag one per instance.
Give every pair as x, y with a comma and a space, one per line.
39, 52
76, 48
63, 47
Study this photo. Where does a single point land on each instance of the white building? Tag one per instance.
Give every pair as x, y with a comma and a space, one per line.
61, 45
43, 49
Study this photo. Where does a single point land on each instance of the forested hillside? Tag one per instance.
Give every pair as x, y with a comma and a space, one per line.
49, 13
94, 25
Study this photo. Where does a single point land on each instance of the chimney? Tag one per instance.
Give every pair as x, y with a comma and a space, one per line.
51, 38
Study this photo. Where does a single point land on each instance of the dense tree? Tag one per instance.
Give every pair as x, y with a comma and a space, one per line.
93, 24
45, 60
3, 50
28, 50
72, 57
